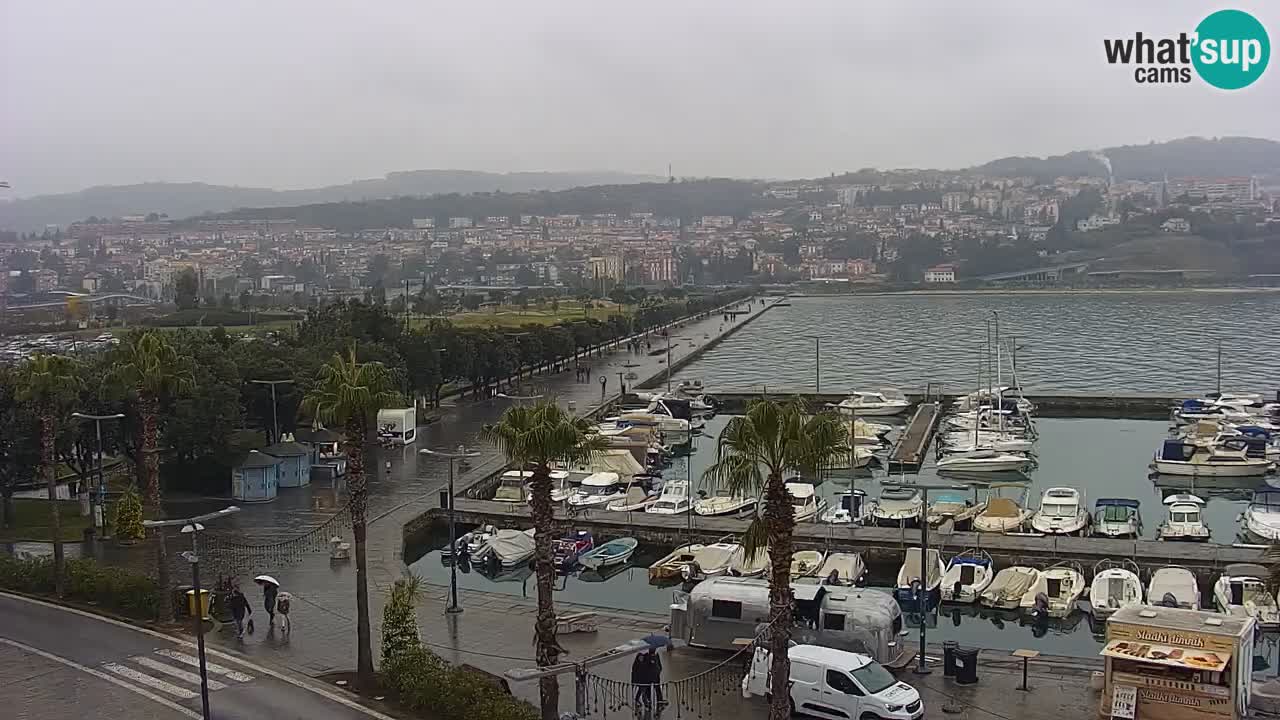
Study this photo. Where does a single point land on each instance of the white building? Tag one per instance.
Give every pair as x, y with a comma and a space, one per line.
940, 274
459, 222
1176, 225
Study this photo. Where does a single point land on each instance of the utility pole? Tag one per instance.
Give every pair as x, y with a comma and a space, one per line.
817, 364
192, 526
453, 608
99, 510
275, 422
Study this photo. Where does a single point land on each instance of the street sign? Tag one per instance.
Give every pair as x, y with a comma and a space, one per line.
1124, 701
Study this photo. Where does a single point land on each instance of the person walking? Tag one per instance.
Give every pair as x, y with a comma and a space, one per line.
282, 606
653, 667
240, 609
640, 674
269, 592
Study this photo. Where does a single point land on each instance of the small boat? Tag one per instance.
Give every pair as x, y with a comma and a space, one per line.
511, 486
841, 568
693, 561
1261, 519
470, 542
1242, 590
670, 567
1001, 514
724, 505
508, 548
1055, 592
674, 499
884, 403
1008, 586
967, 575
1184, 521
596, 489
1115, 585
955, 507
566, 550
805, 563
805, 503
743, 565
985, 461
1228, 459
1174, 587
1062, 512
561, 488
1116, 518
911, 572
897, 507
636, 498
998, 442
851, 508
692, 386
614, 552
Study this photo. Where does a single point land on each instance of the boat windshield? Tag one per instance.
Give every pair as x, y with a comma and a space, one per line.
1191, 517
874, 678
1116, 513
598, 490
1059, 509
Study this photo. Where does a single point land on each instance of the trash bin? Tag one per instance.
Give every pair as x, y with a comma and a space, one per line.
949, 658
966, 665
204, 603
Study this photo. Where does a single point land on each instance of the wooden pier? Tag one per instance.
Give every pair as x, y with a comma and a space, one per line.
908, 453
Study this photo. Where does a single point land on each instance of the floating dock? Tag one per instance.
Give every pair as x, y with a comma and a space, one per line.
908, 453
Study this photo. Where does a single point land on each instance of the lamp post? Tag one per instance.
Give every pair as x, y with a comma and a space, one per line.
453, 608
817, 364
923, 593
275, 422
99, 511
192, 526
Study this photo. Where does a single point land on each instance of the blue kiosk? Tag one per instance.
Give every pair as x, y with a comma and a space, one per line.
257, 478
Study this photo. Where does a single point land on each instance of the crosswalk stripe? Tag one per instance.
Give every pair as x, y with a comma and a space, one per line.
175, 672
193, 661
144, 679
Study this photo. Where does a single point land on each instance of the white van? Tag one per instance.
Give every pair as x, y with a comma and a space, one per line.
831, 683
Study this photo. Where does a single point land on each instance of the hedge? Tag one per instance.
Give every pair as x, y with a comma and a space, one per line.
427, 684
123, 591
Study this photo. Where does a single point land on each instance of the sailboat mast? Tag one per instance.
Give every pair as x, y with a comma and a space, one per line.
999, 376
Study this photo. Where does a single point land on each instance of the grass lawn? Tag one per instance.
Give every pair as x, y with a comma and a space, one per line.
510, 316
34, 521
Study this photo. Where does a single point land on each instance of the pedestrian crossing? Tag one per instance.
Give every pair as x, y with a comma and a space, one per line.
168, 671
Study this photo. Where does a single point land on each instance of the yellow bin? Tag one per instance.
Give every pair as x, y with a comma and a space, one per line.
204, 603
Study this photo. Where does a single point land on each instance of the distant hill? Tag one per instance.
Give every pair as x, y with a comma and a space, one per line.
180, 200
1226, 156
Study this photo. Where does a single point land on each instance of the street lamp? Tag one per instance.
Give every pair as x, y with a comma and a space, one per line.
99, 512
275, 422
192, 526
923, 593
453, 608
817, 364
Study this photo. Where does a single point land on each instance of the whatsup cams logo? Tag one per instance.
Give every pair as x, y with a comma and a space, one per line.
1229, 50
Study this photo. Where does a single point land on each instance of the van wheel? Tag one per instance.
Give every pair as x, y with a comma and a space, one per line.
869, 716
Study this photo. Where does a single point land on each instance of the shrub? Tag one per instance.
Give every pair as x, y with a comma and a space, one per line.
86, 581
426, 683
400, 619
128, 516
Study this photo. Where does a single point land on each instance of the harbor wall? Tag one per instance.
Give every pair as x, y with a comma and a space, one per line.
1134, 406
679, 364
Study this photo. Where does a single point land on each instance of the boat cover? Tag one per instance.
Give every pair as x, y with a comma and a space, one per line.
511, 544
1176, 450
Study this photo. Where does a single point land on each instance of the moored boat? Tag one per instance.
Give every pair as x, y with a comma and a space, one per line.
724, 505
1117, 518
883, 403
955, 507
1183, 520
674, 499
1174, 586
928, 573
805, 563
1227, 459
851, 508
1261, 519
1115, 585
614, 552
897, 506
967, 575
597, 489
566, 551
1062, 512
1002, 514
744, 564
841, 568
1055, 591
1242, 590
1007, 588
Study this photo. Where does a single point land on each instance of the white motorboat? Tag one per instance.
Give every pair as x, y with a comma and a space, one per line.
1007, 588
742, 564
1183, 520
1115, 585
693, 561
724, 505
897, 507
635, 499
1002, 514
884, 403
1174, 587
805, 503
511, 486
1004, 423
806, 563
1010, 396
841, 568
509, 547
472, 541
1242, 590
1117, 518
967, 575
597, 489
997, 442
1060, 585
867, 435
1062, 512
1261, 519
561, 488
954, 507
851, 508
929, 574
674, 430
1228, 459
691, 386
614, 552
985, 461
674, 499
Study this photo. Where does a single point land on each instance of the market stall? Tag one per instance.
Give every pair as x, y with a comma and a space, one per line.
1173, 664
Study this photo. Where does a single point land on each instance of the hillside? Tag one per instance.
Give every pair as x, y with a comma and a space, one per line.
1226, 156
180, 200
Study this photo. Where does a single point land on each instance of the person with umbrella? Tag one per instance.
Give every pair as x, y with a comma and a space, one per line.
240, 609
270, 588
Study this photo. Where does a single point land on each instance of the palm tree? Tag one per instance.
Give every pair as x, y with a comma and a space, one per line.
148, 365
348, 393
753, 454
536, 437
50, 383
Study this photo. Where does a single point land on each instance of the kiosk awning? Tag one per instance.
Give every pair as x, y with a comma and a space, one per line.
1171, 655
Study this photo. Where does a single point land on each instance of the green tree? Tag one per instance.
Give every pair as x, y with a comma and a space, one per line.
147, 365
350, 393
536, 437
753, 455
128, 517
19, 441
400, 620
186, 290
51, 384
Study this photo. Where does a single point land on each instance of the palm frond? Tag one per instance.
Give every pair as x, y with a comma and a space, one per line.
755, 539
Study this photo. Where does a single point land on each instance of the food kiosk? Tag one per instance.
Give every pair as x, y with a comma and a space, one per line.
1174, 664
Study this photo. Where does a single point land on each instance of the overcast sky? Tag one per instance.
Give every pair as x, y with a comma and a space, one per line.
296, 93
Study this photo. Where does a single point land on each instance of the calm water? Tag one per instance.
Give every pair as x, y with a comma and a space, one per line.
1102, 458
1120, 342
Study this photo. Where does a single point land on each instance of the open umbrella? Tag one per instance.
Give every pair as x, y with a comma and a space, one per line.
266, 579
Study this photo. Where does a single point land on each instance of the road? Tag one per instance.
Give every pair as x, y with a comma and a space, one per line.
61, 664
